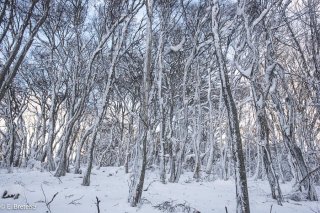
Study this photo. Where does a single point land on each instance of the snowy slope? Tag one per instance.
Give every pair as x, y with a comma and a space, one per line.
110, 185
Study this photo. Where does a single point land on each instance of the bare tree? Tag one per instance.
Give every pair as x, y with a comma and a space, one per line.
13, 37
233, 122
137, 182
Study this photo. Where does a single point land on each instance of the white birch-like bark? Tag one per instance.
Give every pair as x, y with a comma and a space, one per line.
211, 123
105, 99
198, 127
161, 105
137, 182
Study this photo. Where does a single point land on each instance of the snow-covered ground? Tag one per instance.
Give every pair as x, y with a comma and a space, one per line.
110, 185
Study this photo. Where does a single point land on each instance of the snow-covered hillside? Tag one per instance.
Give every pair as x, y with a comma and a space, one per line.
110, 185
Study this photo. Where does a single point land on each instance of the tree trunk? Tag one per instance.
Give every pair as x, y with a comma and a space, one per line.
86, 177
138, 179
289, 140
239, 166
77, 169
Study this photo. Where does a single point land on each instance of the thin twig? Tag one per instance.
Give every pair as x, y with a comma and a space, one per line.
146, 189
53, 198
97, 203
60, 181
74, 202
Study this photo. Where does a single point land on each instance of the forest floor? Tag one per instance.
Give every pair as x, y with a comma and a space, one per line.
110, 185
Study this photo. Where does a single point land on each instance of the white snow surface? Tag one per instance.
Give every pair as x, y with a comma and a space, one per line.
110, 185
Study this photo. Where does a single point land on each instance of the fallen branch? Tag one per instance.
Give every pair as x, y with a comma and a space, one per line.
45, 199
146, 189
68, 196
74, 202
5, 195
308, 175
53, 198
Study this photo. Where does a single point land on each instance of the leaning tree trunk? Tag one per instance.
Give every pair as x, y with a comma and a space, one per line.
105, 98
287, 131
51, 132
97, 122
264, 144
239, 166
136, 186
62, 167
83, 139
22, 43
11, 141
266, 155
86, 177
260, 93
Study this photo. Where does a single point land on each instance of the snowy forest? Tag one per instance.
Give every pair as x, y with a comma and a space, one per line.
160, 106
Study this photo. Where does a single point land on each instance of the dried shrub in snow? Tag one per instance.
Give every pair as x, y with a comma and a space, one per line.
171, 206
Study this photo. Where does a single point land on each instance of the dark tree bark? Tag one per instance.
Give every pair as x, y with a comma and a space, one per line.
236, 143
